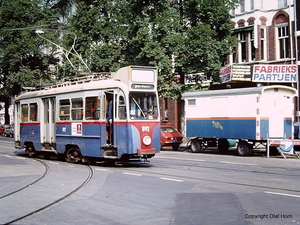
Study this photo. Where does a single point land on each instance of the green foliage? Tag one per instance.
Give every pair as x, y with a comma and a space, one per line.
21, 59
112, 34
196, 34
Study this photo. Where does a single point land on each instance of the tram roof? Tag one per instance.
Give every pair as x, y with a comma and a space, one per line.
238, 91
91, 85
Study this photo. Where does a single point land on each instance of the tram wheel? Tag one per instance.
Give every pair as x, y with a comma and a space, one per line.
73, 155
30, 150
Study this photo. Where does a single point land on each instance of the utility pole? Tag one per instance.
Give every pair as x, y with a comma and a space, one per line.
297, 43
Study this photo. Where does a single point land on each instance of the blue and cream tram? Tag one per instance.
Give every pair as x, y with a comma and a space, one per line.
93, 117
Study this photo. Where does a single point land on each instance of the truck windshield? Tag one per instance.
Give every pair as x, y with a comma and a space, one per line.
143, 106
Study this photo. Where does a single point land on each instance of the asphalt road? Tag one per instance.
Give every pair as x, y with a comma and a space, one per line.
179, 188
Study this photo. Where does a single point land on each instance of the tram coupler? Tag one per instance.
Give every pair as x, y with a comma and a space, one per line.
146, 161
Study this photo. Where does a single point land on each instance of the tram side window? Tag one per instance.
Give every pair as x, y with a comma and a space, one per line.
77, 109
24, 112
64, 109
122, 108
92, 108
33, 110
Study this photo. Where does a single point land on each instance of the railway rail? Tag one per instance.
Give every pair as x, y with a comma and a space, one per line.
254, 177
48, 205
47, 169
187, 168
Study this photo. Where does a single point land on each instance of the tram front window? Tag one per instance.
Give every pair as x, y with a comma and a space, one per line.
143, 106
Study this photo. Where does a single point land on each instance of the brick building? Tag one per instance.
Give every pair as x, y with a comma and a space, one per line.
171, 111
269, 37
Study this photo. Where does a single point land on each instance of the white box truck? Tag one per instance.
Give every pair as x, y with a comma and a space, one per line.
246, 115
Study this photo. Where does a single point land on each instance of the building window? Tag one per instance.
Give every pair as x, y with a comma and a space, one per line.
242, 38
262, 43
252, 5
234, 55
191, 101
246, 50
283, 41
242, 6
282, 3
261, 4
251, 47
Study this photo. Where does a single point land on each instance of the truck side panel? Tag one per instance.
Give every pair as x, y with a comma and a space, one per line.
235, 128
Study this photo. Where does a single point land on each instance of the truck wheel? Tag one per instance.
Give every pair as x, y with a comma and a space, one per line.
195, 145
223, 145
175, 147
243, 148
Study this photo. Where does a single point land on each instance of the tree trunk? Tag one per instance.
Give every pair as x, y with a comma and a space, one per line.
6, 110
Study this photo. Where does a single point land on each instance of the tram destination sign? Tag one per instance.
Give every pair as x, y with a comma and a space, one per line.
275, 73
142, 86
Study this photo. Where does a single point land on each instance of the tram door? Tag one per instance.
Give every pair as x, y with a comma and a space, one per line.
17, 121
110, 117
48, 130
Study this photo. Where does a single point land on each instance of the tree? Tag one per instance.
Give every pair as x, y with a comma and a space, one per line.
208, 38
196, 33
22, 62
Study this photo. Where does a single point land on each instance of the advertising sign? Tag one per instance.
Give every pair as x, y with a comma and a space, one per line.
77, 129
196, 78
225, 74
275, 73
241, 73
235, 73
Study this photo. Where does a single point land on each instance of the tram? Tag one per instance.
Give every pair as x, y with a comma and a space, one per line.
98, 116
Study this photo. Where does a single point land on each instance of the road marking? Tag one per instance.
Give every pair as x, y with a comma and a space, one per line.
10, 142
198, 160
236, 163
102, 169
54, 163
9, 156
133, 174
277, 193
164, 178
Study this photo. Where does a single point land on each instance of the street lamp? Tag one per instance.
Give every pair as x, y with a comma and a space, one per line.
64, 51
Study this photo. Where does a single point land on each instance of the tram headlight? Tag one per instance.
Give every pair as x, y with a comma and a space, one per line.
147, 140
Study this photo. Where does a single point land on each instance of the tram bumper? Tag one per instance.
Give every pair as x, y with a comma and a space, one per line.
146, 153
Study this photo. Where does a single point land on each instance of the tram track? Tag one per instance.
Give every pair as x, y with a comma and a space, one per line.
256, 171
85, 182
47, 205
47, 169
212, 180
195, 178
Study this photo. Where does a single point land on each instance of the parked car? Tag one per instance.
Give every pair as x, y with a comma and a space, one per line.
3, 128
170, 137
9, 131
